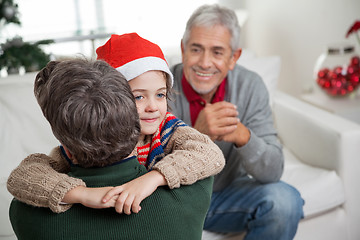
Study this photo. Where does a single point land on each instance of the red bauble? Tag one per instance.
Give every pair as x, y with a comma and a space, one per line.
323, 73
339, 81
352, 69
354, 79
355, 61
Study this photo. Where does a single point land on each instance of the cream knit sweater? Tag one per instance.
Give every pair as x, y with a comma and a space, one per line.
41, 180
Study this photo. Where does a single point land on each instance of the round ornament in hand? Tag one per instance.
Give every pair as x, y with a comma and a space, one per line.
337, 71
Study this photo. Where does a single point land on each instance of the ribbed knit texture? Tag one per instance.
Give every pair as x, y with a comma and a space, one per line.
40, 181
166, 214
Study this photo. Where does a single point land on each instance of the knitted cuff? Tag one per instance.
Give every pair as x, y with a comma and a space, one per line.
170, 174
57, 195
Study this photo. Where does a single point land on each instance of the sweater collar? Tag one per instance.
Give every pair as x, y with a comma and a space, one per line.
126, 170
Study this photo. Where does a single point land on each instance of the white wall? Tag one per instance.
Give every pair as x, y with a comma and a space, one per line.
298, 31
159, 21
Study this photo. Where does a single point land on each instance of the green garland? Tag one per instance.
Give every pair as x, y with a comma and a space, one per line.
17, 53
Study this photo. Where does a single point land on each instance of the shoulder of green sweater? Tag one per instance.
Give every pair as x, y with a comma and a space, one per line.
207, 184
201, 189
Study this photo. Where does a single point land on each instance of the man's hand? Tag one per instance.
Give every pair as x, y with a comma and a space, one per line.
132, 193
240, 136
220, 122
217, 119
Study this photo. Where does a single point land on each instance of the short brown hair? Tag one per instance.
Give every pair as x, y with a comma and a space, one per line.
90, 108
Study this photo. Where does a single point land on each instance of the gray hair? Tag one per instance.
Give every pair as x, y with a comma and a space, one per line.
210, 15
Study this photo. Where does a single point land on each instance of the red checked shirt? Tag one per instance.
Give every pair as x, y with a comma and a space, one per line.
196, 102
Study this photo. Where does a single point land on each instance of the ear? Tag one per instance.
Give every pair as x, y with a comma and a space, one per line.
236, 55
182, 50
68, 153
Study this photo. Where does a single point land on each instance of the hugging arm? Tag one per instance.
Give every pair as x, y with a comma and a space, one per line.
192, 156
189, 156
41, 180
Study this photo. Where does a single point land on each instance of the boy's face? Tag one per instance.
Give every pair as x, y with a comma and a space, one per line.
149, 90
207, 57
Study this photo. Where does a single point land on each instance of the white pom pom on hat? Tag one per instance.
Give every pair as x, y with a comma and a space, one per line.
133, 55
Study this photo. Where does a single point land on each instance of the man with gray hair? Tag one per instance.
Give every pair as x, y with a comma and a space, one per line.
231, 105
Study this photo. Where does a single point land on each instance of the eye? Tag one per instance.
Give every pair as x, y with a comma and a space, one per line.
139, 97
195, 50
218, 53
161, 95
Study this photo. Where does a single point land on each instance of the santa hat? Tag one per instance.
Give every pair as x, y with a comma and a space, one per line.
133, 55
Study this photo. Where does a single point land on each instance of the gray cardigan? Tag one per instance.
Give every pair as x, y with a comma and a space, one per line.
261, 157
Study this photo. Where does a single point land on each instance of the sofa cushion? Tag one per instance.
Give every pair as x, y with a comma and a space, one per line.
321, 189
24, 130
267, 67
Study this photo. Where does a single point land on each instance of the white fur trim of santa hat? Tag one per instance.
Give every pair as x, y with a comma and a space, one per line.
133, 55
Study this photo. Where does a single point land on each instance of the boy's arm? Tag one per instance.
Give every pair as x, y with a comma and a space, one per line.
40, 180
129, 196
190, 156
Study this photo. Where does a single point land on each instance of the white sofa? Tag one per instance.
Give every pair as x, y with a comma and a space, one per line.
23, 130
322, 161
321, 158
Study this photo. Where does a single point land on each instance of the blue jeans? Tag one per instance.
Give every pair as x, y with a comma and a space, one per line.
264, 211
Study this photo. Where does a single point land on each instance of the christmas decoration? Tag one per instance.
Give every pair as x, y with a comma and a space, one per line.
16, 54
344, 77
340, 80
9, 12
354, 29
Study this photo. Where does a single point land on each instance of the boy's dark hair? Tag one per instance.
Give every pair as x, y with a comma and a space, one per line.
90, 108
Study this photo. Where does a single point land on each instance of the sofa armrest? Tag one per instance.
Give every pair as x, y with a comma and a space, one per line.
316, 137
324, 140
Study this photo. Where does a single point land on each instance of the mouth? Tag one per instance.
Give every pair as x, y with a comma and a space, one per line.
204, 74
149, 120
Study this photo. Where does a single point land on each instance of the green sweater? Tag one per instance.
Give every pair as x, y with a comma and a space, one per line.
166, 214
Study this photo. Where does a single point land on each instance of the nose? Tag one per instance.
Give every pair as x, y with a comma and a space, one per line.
151, 105
205, 60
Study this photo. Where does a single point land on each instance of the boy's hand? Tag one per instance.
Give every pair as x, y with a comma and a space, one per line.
132, 193
90, 197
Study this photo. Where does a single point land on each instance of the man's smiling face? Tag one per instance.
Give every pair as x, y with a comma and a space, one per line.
207, 57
